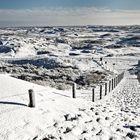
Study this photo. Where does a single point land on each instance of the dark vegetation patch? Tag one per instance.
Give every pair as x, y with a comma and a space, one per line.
90, 78
130, 41
5, 49
60, 77
48, 63
87, 44
1, 43
43, 52
115, 46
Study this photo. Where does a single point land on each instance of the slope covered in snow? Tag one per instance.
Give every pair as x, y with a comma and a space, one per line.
55, 57
58, 116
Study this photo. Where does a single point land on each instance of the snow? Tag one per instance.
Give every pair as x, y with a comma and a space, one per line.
57, 115
111, 117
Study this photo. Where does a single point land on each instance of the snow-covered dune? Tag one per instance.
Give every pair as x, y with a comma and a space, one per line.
58, 116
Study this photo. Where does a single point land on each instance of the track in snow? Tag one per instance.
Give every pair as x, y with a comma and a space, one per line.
127, 96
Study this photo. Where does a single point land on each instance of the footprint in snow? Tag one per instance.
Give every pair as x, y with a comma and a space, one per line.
67, 130
89, 121
68, 117
98, 120
84, 132
99, 133
106, 118
80, 109
96, 113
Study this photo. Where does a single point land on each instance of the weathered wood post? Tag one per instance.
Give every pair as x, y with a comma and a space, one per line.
119, 78
74, 90
31, 98
116, 80
100, 92
123, 74
93, 95
109, 86
112, 84
105, 89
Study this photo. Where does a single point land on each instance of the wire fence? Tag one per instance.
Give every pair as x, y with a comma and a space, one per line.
98, 92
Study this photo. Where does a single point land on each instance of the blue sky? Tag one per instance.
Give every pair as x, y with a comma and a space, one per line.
27, 4
69, 12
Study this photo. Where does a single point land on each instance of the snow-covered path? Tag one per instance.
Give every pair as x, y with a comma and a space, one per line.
116, 117
128, 96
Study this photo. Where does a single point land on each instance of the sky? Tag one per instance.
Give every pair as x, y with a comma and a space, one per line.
69, 12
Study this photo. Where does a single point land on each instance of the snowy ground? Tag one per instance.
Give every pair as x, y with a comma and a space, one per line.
57, 115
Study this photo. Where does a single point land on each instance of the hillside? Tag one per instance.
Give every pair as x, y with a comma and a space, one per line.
49, 60
58, 116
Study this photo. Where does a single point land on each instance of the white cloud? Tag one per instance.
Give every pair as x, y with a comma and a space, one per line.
68, 16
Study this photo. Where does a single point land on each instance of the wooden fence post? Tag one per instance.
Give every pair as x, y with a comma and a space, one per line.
93, 95
112, 84
31, 98
105, 89
109, 86
100, 92
123, 75
119, 78
116, 81
74, 90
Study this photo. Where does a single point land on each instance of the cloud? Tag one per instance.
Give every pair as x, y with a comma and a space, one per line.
68, 16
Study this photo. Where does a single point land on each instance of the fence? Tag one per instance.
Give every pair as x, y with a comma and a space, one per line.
103, 89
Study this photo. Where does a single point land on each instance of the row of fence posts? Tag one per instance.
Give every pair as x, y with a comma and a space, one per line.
108, 88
